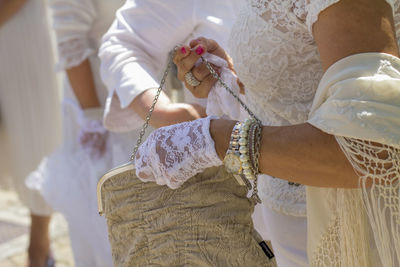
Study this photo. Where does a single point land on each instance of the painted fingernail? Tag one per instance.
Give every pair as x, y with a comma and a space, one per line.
199, 50
183, 50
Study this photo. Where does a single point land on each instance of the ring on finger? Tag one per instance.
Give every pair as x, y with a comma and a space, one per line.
191, 80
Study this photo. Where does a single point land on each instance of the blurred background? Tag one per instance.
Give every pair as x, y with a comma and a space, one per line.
15, 221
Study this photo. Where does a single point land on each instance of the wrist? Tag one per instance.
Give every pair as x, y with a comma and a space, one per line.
93, 113
175, 113
187, 112
220, 131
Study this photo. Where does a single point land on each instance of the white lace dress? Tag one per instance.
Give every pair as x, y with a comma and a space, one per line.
67, 178
277, 59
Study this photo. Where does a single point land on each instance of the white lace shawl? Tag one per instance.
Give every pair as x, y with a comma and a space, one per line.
358, 101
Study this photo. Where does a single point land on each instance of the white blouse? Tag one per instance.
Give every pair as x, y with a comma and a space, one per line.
135, 50
79, 27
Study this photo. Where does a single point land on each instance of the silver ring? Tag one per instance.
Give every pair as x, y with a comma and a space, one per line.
191, 80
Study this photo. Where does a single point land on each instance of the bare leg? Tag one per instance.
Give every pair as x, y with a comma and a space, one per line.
39, 243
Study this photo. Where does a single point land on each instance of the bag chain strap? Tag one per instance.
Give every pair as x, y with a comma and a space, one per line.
146, 123
162, 83
216, 76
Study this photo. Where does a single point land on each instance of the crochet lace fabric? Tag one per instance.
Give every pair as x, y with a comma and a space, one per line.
380, 165
347, 240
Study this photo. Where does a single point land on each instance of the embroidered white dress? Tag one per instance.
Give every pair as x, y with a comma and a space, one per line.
277, 59
67, 178
29, 96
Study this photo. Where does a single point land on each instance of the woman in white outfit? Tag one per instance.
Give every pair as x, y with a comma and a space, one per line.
133, 54
280, 50
135, 50
73, 191
29, 101
283, 217
67, 178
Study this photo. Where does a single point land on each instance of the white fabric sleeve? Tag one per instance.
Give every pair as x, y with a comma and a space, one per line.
315, 7
135, 50
72, 20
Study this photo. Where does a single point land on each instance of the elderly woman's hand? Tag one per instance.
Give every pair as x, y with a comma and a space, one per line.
197, 77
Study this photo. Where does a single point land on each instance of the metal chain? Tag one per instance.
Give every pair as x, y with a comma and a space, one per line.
216, 76
162, 83
254, 194
256, 159
146, 123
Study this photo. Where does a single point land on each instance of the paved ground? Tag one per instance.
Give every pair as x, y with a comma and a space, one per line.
14, 225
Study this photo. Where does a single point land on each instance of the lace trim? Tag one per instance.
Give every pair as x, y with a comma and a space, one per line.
73, 52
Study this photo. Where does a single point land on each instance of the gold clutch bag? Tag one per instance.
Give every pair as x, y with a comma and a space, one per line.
205, 222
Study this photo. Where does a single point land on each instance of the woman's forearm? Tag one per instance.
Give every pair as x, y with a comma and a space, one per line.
8, 8
165, 112
299, 153
82, 83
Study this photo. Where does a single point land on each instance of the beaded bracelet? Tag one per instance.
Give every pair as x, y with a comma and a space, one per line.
249, 141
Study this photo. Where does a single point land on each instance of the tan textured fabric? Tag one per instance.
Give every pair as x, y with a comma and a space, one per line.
205, 222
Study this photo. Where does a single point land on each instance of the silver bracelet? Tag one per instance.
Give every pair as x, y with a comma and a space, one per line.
247, 144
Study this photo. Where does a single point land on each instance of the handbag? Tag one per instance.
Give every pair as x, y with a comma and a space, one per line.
205, 222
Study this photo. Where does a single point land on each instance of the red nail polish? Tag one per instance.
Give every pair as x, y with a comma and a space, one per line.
199, 50
183, 50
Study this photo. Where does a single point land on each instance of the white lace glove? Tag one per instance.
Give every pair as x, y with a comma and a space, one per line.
92, 136
173, 154
220, 102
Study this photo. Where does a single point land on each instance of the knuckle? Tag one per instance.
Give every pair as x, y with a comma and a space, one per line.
197, 72
186, 65
200, 72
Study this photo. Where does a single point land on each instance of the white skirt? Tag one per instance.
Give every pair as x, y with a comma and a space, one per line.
29, 96
68, 178
287, 233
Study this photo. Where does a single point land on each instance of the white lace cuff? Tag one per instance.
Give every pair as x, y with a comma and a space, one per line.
93, 113
173, 154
